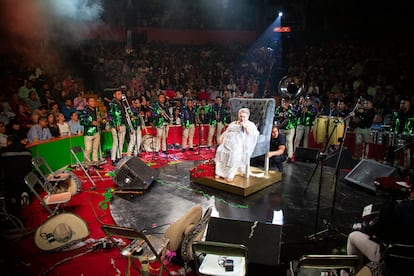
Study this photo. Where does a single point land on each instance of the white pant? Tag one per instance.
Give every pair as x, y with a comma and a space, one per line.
211, 131
219, 131
188, 134
302, 132
135, 140
361, 245
361, 135
92, 144
162, 134
118, 139
290, 133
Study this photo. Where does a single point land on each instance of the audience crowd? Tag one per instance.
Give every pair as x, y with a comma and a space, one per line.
38, 102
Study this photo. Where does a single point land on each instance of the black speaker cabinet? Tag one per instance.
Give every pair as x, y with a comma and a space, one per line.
308, 155
132, 173
346, 159
262, 239
367, 170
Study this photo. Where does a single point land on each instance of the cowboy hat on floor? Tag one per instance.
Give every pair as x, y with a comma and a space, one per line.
61, 231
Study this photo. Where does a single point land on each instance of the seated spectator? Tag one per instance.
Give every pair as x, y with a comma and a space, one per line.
32, 102
67, 109
3, 135
14, 128
52, 125
54, 108
23, 117
74, 124
64, 129
79, 102
39, 131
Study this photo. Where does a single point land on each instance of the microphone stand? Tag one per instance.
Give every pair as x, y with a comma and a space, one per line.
328, 224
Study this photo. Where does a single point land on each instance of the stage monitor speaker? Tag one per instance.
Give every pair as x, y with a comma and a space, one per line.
309, 155
367, 170
262, 239
346, 159
132, 173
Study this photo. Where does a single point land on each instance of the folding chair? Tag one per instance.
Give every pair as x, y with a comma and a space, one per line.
192, 235
316, 264
76, 151
398, 257
52, 178
218, 258
31, 180
142, 247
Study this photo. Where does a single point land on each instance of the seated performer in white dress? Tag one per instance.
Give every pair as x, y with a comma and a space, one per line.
236, 145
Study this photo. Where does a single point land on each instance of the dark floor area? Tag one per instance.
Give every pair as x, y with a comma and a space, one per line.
293, 202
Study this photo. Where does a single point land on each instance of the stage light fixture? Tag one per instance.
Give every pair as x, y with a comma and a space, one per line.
280, 14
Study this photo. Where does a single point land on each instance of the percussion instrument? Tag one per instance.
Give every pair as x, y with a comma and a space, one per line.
336, 126
326, 126
320, 129
373, 136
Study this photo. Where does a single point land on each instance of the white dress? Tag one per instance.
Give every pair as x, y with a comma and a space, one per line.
234, 152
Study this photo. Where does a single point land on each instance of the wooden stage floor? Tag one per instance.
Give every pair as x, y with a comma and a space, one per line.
258, 180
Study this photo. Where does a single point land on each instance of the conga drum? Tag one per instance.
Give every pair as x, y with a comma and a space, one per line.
336, 128
320, 129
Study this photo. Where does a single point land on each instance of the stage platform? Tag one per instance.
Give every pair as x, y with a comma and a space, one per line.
241, 185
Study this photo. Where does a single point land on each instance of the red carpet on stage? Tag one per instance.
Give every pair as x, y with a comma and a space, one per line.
175, 156
23, 257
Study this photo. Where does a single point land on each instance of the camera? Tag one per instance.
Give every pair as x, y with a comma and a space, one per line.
228, 265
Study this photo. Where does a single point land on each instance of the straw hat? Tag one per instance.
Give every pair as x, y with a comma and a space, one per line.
60, 231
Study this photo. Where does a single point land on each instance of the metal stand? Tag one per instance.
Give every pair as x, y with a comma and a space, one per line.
152, 141
328, 225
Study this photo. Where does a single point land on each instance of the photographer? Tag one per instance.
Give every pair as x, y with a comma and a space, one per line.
393, 224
